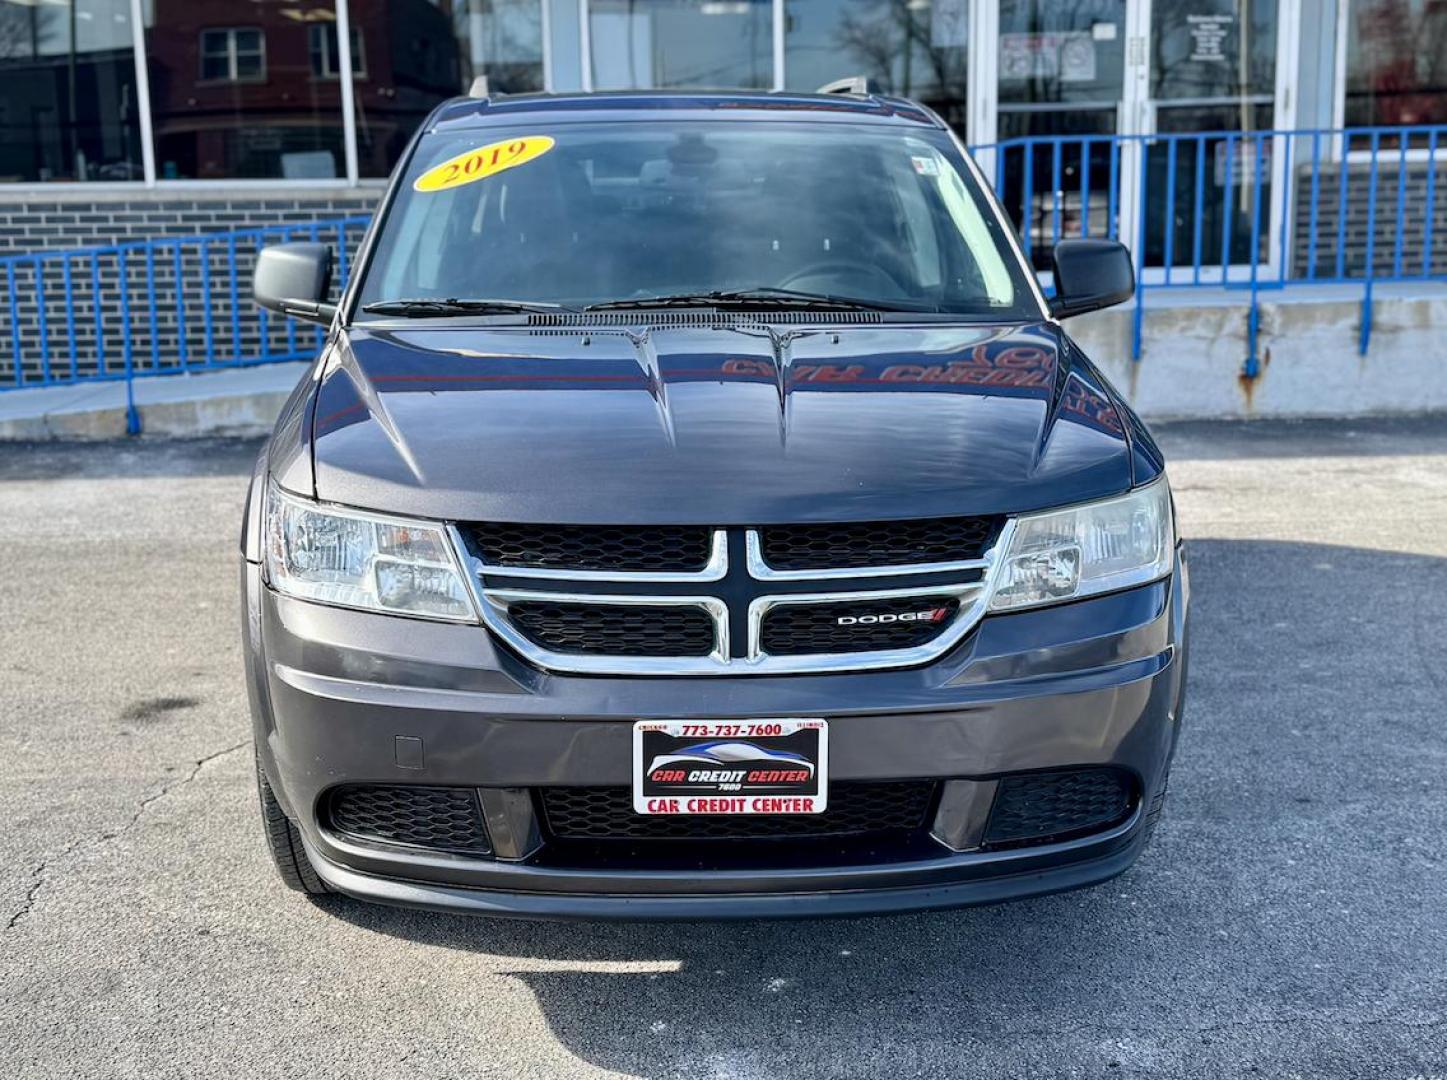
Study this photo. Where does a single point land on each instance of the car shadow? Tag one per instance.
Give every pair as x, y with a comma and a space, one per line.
1313, 732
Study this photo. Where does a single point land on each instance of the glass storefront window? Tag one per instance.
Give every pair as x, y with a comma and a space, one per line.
918, 48
503, 40
232, 100
668, 44
1213, 49
68, 92
1213, 69
419, 53
1054, 54
1396, 62
1061, 72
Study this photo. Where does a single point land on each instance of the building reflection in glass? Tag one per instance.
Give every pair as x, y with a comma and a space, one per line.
68, 92
918, 48
252, 91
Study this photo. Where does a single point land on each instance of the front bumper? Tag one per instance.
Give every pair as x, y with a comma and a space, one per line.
1097, 682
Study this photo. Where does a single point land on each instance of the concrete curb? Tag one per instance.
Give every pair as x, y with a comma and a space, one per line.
242, 402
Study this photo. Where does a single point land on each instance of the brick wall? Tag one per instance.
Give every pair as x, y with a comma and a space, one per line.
150, 304
1348, 247
48, 222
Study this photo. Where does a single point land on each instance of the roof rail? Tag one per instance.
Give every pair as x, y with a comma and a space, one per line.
478, 89
854, 84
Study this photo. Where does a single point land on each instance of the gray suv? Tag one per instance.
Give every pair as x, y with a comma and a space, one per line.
697, 509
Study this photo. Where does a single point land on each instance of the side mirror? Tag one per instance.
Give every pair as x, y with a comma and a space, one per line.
1090, 275
294, 279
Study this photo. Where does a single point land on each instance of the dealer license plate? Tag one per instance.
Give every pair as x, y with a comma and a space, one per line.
730, 766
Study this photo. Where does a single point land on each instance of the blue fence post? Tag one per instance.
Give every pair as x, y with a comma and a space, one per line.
1371, 248
151, 304
69, 314
41, 323
1427, 222
1198, 210
1112, 226
1055, 194
262, 321
1138, 322
133, 418
183, 353
100, 337
1343, 178
14, 324
235, 298
1253, 319
317, 332
1315, 199
208, 323
1170, 222
1027, 206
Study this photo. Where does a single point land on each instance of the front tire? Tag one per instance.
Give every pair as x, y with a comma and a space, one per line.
284, 841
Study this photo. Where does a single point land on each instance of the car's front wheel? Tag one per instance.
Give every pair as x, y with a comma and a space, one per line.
284, 840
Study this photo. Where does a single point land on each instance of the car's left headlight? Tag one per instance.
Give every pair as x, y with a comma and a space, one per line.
1087, 549
355, 559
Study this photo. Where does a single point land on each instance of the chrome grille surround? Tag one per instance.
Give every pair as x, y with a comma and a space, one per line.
563, 586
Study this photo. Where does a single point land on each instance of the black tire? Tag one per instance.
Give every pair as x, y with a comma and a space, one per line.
284, 841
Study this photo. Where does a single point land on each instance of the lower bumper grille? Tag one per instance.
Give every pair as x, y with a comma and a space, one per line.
1038, 808
441, 818
855, 809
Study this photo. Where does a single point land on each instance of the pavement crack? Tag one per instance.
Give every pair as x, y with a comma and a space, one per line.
37, 879
40, 874
168, 788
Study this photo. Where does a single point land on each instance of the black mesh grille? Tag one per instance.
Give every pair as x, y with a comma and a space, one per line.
1039, 807
651, 548
798, 629
444, 818
615, 629
877, 543
855, 808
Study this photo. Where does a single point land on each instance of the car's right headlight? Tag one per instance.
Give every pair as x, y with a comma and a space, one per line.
336, 555
1088, 549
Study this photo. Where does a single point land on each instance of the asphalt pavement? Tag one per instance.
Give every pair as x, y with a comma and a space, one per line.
1289, 920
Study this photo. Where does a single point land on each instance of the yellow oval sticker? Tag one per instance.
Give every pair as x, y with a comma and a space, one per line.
483, 162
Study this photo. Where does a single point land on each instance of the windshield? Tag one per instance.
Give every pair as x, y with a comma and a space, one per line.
577, 215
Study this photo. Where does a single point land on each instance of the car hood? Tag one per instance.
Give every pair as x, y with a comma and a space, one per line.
716, 425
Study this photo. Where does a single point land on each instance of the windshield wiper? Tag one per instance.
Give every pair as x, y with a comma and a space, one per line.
761, 297
431, 308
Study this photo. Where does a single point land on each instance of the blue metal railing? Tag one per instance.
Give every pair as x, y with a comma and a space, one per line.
153, 307
1255, 211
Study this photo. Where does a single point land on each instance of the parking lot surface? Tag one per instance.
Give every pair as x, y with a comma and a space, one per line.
1289, 920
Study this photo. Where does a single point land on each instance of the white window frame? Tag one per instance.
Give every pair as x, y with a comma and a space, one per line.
332, 63
232, 74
